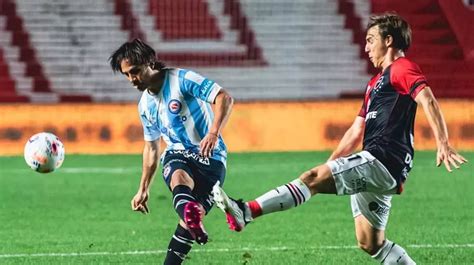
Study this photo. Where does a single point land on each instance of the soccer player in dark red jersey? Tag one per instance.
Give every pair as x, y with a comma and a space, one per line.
385, 123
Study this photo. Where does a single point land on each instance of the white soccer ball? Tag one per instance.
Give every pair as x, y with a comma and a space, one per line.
44, 152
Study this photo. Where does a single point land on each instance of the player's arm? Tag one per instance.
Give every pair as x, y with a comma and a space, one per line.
446, 154
150, 164
351, 139
224, 103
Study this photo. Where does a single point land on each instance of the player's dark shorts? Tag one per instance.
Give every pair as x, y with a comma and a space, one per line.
204, 171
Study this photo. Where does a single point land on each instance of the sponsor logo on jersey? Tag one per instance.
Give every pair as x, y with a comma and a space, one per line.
174, 106
189, 154
205, 86
371, 115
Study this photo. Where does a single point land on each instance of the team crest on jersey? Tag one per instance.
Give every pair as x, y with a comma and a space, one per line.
378, 84
174, 106
166, 171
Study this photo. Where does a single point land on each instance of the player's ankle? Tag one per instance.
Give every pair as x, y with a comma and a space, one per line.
253, 210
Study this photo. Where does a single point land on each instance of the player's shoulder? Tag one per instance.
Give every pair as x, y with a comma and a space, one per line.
146, 101
191, 75
404, 64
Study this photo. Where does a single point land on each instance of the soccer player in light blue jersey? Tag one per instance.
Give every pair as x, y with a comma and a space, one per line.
176, 106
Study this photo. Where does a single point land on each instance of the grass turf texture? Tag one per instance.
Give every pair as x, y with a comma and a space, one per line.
84, 208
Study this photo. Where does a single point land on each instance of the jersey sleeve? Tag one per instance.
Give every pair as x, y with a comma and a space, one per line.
363, 108
151, 130
200, 87
407, 78
362, 111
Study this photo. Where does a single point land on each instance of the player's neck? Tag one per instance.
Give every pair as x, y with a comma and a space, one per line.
391, 56
157, 81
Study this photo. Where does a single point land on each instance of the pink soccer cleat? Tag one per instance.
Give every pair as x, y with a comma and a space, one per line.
193, 220
234, 210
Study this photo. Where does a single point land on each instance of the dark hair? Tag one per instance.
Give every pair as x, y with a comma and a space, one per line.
392, 24
137, 53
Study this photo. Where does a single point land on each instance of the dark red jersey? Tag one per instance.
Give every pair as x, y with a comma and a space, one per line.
389, 110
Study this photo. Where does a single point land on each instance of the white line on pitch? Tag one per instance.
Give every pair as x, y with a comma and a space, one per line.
212, 250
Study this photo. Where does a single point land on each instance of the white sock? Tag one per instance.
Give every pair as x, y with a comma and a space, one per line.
391, 253
284, 197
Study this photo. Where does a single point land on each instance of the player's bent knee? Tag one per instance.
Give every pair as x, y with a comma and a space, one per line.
310, 179
181, 177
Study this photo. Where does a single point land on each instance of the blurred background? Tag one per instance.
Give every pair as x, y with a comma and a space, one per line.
297, 69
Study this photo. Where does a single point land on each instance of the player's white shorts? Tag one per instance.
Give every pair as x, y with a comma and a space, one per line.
368, 182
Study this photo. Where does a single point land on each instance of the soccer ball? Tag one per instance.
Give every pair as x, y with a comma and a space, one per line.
44, 152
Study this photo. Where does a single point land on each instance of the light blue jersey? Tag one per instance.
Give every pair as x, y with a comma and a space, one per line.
181, 112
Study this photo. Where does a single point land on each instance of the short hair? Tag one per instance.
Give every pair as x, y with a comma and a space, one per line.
392, 24
137, 53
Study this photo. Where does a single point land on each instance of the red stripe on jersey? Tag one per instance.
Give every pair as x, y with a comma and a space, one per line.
370, 87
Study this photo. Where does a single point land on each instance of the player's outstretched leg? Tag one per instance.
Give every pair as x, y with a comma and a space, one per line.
295, 193
190, 211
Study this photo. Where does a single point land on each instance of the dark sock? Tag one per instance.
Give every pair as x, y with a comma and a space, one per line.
181, 195
179, 246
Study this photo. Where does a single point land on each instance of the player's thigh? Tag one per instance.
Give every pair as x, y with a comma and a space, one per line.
177, 170
374, 207
319, 180
361, 172
371, 212
368, 237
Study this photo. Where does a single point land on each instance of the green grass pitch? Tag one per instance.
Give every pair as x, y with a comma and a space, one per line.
81, 215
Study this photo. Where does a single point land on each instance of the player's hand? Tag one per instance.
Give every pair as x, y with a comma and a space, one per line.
207, 144
449, 157
139, 202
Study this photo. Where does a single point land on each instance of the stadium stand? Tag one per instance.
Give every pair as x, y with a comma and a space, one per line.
72, 40
182, 19
435, 45
220, 42
26, 64
7, 84
301, 62
57, 50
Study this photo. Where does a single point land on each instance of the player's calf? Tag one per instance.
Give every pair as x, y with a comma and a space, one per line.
282, 198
